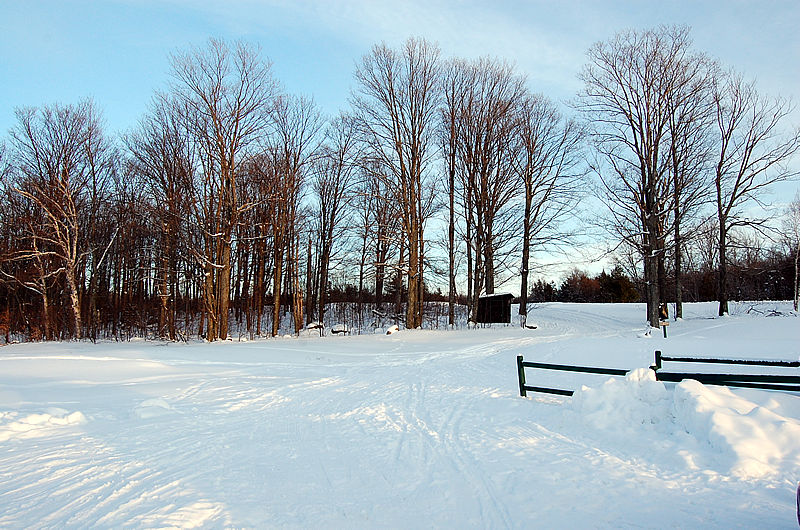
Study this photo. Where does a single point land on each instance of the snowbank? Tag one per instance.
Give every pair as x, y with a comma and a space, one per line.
751, 433
758, 440
152, 408
636, 399
40, 424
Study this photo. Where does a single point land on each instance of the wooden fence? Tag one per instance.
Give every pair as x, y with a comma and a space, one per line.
783, 382
524, 388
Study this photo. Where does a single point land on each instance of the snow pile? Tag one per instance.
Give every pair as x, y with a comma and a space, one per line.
152, 408
39, 424
759, 441
636, 399
752, 439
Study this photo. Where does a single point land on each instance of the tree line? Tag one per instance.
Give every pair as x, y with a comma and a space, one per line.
233, 201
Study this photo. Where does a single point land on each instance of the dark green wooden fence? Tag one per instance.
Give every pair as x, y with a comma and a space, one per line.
524, 388
783, 382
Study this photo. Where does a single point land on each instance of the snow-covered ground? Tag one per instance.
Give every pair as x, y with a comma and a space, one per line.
415, 429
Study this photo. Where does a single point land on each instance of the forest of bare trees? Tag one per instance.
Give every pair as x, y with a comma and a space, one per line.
235, 208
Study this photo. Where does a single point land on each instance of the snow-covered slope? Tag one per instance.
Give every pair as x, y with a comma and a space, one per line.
415, 429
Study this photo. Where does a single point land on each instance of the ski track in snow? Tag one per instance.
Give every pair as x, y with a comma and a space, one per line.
416, 429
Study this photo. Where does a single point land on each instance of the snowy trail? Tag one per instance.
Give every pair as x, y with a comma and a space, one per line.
416, 429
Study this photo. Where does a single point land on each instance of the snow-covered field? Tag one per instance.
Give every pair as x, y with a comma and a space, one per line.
416, 429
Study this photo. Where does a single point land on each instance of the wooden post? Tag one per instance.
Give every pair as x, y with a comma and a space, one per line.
521, 376
658, 360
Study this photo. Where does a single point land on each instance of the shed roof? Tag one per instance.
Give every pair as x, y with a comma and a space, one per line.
497, 295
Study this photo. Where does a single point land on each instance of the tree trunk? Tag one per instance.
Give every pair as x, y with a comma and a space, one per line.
322, 290
297, 293
678, 273
92, 315
74, 299
309, 285
526, 250
470, 267
662, 277
381, 254
258, 298
276, 290
45, 314
398, 296
413, 283
722, 277
797, 277
488, 249
224, 287
163, 296
362, 263
451, 244
651, 280
421, 283
209, 305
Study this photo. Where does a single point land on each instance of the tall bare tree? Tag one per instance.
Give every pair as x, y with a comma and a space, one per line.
297, 122
548, 167
164, 162
487, 128
455, 84
228, 92
791, 230
263, 179
689, 153
753, 152
377, 225
628, 84
333, 184
396, 103
57, 154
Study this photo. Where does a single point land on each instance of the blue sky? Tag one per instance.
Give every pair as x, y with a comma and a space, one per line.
117, 51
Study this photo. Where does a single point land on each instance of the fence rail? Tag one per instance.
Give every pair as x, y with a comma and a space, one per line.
524, 388
786, 383
752, 362
782, 382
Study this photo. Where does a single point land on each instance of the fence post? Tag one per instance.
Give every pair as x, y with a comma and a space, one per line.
521, 377
658, 359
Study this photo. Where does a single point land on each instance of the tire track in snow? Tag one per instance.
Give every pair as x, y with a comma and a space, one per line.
439, 446
76, 480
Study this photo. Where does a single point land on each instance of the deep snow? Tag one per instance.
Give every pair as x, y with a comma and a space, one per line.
415, 429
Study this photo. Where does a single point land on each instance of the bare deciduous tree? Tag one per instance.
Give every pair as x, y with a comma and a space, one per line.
396, 103
628, 84
548, 166
752, 154
334, 180
228, 93
297, 123
164, 163
454, 86
59, 169
689, 152
791, 230
486, 128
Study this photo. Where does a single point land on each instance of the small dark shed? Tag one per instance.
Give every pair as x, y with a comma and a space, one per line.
495, 308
